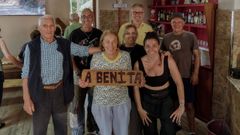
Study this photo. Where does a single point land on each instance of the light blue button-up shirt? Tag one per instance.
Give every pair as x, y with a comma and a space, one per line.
51, 61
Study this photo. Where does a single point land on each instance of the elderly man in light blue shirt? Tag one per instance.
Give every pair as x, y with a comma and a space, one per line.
48, 77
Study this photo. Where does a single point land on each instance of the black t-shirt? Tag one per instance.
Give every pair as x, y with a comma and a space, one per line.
136, 53
86, 39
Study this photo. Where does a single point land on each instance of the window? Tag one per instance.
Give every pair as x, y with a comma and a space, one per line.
78, 5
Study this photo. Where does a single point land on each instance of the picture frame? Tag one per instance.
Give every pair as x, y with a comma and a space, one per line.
22, 7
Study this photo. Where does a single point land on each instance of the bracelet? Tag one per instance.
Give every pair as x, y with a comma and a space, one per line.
181, 104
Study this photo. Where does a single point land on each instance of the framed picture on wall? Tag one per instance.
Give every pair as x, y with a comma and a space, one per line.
22, 7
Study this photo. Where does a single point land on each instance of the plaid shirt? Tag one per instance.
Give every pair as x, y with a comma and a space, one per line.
51, 61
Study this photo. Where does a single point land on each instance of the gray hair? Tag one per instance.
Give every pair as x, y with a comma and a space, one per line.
46, 17
87, 10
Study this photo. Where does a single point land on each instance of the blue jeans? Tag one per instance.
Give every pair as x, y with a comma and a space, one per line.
112, 119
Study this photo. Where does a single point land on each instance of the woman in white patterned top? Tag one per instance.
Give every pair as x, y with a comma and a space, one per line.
111, 104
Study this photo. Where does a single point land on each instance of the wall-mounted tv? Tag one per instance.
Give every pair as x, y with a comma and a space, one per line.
22, 7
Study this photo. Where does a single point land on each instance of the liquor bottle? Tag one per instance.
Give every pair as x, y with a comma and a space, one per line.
186, 1
192, 18
186, 16
159, 15
189, 16
196, 18
163, 15
167, 15
200, 18
204, 19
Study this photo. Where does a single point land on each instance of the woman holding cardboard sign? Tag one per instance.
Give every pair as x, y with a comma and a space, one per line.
111, 104
153, 100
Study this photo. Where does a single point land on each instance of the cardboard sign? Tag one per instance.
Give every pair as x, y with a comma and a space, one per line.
112, 77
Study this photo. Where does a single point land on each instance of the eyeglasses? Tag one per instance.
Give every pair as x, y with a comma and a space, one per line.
131, 33
87, 17
138, 12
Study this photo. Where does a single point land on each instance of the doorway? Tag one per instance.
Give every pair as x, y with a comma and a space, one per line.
78, 5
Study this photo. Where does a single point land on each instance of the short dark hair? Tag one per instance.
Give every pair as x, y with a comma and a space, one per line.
151, 35
58, 31
178, 15
34, 34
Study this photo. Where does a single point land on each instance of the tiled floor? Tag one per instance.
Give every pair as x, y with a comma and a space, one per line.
19, 123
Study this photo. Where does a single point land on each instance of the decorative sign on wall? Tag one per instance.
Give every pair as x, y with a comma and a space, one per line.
112, 77
120, 4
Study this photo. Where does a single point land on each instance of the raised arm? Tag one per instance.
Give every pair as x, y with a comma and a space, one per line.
92, 50
177, 114
8, 55
79, 50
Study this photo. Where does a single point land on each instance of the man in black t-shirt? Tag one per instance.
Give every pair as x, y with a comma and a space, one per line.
86, 35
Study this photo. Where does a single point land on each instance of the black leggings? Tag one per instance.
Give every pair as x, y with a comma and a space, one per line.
162, 110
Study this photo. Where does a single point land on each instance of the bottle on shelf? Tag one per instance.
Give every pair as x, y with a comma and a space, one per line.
192, 18
173, 2
177, 2
162, 16
186, 16
196, 18
163, 2
204, 20
159, 15
200, 18
189, 16
187, 2
168, 16
193, 1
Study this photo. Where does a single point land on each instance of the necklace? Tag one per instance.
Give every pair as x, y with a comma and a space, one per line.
87, 34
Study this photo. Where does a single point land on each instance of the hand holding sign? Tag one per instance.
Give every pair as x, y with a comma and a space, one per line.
83, 84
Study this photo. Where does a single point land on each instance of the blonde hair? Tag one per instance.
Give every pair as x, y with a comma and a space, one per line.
137, 5
125, 30
105, 33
